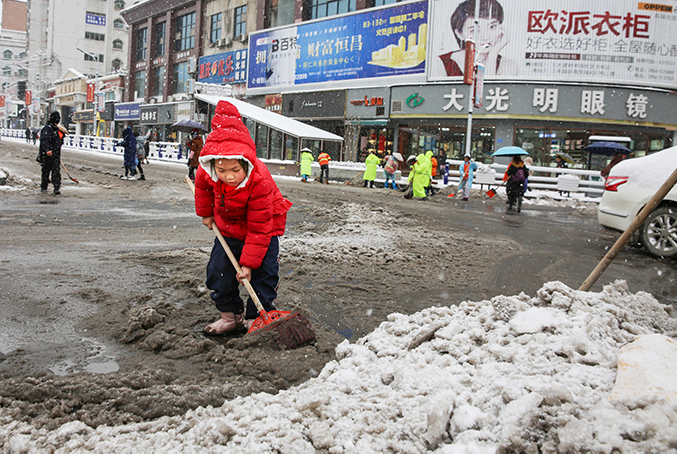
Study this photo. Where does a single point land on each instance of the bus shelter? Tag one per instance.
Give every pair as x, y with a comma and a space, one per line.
278, 137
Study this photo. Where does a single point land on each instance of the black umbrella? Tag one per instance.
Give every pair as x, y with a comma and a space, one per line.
188, 126
607, 148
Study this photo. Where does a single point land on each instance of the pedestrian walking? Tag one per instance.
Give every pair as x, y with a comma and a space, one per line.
28, 134
515, 176
49, 156
129, 144
235, 193
306, 164
196, 145
141, 152
372, 163
324, 159
419, 176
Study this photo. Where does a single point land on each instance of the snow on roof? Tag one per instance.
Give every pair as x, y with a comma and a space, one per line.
514, 373
274, 120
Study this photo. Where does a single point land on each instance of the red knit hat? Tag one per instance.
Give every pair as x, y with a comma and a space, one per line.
229, 136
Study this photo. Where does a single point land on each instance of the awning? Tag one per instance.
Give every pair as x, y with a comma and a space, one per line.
274, 120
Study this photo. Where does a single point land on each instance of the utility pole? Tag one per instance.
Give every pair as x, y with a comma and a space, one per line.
471, 78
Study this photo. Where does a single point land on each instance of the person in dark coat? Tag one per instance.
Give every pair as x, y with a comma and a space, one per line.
28, 134
515, 176
129, 143
49, 156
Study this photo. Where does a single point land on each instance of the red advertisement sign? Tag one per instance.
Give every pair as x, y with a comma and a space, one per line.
90, 92
2, 100
469, 62
29, 98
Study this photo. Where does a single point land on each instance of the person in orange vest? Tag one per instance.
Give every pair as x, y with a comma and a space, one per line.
324, 159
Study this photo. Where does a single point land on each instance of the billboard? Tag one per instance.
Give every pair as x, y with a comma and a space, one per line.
565, 40
385, 42
223, 68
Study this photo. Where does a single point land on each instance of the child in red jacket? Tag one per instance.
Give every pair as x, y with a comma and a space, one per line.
235, 193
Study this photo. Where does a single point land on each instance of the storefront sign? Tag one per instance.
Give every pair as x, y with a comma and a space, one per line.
108, 114
90, 92
149, 115
386, 42
274, 103
367, 101
127, 111
225, 68
325, 104
622, 41
95, 19
556, 102
82, 116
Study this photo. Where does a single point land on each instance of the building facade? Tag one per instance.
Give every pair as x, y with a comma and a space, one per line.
14, 76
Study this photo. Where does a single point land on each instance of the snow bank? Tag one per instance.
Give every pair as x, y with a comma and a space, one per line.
515, 374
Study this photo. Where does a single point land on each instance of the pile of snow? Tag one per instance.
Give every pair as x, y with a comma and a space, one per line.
513, 374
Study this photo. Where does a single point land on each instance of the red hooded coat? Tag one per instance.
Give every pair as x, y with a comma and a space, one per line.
253, 212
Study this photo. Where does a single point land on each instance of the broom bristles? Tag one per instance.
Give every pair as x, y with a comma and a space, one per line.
291, 332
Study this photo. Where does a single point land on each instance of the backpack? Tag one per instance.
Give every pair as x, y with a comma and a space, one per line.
519, 176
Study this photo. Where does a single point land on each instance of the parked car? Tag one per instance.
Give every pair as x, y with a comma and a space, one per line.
630, 185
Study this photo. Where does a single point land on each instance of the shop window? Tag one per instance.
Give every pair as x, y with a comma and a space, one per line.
251, 126
333, 149
291, 146
261, 141
276, 144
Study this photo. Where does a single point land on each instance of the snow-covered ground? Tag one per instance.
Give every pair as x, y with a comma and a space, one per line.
511, 374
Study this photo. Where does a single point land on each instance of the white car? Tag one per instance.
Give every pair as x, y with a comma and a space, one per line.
630, 185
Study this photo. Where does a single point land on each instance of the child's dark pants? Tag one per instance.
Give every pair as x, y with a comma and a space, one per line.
225, 289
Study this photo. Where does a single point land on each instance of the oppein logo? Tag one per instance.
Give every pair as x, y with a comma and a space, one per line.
655, 7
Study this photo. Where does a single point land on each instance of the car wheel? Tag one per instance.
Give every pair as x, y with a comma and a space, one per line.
659, 232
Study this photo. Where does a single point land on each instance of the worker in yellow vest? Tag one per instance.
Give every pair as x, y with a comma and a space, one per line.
324, 159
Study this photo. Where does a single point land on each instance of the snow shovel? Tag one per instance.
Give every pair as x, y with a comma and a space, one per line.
492, 192
629, 231
69, 175
293, 330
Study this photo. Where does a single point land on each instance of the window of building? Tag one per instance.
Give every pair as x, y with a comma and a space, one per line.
22, 72
95, 36
157, 81
118, 44
23, 55
383, 2
139, 84
7, 54
7, 71
261, 141
119, 23
324, 8
92, 57
240, 27
180, 79
185, 32
116, 65
160, 32
215, 28
119, 5
141, 44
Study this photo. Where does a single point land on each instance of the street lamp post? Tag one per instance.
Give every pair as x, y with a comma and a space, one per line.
96, 79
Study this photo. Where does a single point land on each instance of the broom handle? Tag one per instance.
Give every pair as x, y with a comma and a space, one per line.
232, 258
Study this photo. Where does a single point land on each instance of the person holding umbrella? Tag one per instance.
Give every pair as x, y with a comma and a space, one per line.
196, 145
515, 177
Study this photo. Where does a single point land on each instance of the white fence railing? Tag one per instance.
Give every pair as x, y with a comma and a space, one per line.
162, 151
589, 182
548, 178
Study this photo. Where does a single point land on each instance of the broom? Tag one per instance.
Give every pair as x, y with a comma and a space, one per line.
292, 329
69, 175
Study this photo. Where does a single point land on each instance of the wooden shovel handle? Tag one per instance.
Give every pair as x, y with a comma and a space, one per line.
232, 258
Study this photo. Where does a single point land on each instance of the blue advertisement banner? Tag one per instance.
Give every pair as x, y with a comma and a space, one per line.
124, 112
224, 68
385, 42
95, 19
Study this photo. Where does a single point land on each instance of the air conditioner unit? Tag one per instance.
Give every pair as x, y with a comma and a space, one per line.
212, 43
242, 38
170, 98
226, 42
151, 101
